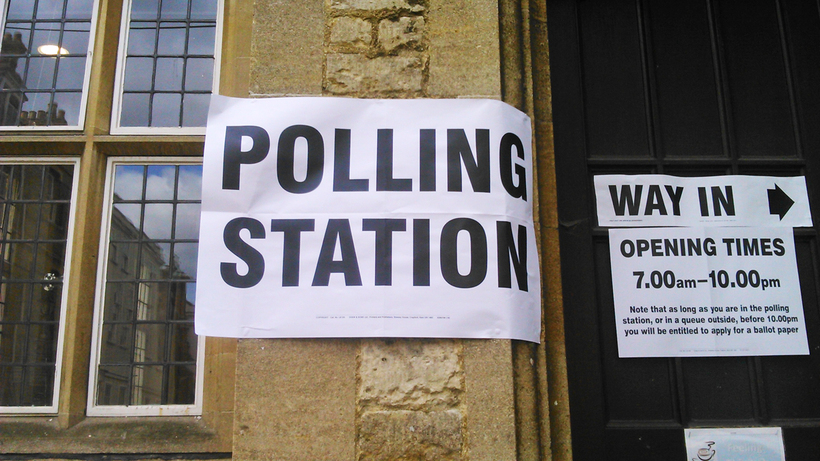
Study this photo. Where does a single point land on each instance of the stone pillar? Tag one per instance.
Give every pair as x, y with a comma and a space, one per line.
376, 399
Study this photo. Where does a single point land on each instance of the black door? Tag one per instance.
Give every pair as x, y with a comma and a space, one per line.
688, 88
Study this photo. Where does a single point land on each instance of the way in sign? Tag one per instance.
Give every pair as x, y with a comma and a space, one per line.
630, 197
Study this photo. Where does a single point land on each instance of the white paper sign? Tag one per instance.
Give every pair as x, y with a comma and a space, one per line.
334, 217
690, 292
660, 200
735, 444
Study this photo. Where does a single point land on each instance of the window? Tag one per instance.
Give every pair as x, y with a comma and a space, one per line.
147, 357
44, 63
35, 223
166, 67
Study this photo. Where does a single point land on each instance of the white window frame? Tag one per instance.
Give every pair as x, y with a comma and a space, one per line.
119, 79
99, 304
92, 33
61, 330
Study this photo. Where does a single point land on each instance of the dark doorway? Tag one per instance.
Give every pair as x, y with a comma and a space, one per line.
688, 88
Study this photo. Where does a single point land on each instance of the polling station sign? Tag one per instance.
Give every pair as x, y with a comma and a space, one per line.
334, 217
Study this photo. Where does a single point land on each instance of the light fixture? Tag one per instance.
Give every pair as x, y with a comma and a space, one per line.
51, 50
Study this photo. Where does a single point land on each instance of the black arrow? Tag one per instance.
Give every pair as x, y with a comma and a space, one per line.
779, 202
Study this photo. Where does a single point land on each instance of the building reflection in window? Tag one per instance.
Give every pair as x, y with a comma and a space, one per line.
148, 348
34, 215
43, 62
169, 63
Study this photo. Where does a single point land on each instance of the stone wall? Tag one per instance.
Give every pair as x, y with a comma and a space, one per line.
375, 399
408, 391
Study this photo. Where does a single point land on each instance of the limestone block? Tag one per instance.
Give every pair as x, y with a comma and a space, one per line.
410, 374
358, 74
350, 31
410, 435
370, 5
407, 30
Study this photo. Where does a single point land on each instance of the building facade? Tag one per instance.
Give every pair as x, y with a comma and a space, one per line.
104, 104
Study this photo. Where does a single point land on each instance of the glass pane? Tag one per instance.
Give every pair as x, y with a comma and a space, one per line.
144, 9
26, 385
116, 344
142, 38
16, 300
160, 185
199, 74
51, 225
45, 34
152, 301
20, 257
185, 256
128, 182
181, 385
174, 9
125, 223
49, 9
165, 110
60, 188
181, 307
75, 38
190, 293
158, 219
183, 342
42, 344
122, 261
201, 39
187, 221
40, 76
138, 73
21, 9
35, 108
16, 43
171, 39
147, 385
135, 109
66, 109
203, 9
79, 9
120, 302
190, 182
155, 262
169, 75
25, 221
149, 344
46, 306
29, 183
70, 73
195, 109
112, 385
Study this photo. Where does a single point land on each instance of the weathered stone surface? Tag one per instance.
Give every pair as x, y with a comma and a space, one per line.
410, 374
410, 435
407, 30
287, 49
357, 74
295, 400
412, 5
350, 31
465, 55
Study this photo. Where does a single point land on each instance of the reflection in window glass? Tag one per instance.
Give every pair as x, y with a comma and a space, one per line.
175, 39
147, 352
34, 214
43, 62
